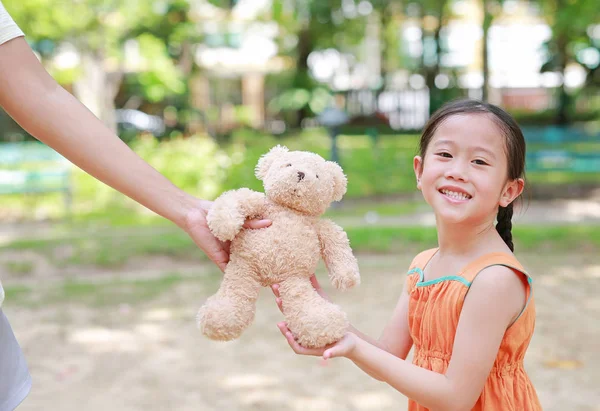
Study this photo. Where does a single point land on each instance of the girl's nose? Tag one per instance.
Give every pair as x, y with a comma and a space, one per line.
457, 171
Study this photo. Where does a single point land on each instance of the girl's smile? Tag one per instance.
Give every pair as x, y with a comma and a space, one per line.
454, 194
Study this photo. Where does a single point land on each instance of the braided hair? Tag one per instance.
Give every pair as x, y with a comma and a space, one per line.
515, 147
504, 225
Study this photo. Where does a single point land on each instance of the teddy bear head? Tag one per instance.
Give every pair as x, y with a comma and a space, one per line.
301, 180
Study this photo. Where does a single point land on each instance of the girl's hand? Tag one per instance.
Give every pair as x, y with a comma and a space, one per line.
313, 281
342, 348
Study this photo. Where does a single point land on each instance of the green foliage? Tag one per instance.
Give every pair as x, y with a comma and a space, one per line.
201, 167
161, 78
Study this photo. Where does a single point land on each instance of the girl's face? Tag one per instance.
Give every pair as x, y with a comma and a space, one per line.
463, 175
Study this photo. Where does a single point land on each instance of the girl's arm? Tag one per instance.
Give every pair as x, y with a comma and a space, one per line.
494, 300
52, 115
395, 338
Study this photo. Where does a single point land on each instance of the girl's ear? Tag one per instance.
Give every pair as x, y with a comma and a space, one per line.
418, 167
512, 190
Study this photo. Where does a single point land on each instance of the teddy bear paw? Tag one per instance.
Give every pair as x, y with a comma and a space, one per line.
222, 225
346, 280
222, 319
225, 232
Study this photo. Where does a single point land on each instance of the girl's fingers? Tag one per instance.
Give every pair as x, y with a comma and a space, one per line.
282, 327
317, 287
298, 349
330, 353
257, 223
275, 289
315, 282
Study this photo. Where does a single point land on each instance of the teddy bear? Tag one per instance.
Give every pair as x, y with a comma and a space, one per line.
299, 187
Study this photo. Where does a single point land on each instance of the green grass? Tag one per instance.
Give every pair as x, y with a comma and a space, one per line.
111, 249
98, 294
19, 267
18, 294
113, 292
115, 250
526, 238
359, 209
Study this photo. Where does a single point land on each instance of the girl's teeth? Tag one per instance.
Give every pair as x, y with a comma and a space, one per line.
455, 195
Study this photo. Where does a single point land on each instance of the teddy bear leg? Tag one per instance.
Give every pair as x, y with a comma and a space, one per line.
226, 314
314, 321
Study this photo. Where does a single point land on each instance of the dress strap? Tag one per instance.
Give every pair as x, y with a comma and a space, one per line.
421, 260
472, 269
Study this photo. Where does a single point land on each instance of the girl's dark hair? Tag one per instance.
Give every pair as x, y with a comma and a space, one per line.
515, 147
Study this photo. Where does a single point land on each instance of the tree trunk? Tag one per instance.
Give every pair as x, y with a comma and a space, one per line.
97, 89
386, 17
433, 70
562, 115
302, 80
488, 18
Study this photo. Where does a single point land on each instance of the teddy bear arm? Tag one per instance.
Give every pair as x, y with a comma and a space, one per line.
252, 203
228, 213
337, 255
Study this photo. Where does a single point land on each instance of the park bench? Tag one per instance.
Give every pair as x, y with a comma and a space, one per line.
554, 148
34, 168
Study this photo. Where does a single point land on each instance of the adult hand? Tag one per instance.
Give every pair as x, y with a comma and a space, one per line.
197, 228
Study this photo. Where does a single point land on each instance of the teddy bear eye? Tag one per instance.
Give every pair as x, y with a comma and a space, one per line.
288, 165
317, 176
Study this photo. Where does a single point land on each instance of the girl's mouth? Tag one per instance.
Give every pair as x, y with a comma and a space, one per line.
455, 195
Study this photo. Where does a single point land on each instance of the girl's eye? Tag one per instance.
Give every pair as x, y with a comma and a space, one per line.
445, 155
480, 162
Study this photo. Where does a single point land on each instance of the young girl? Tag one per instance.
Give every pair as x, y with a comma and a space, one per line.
467, 305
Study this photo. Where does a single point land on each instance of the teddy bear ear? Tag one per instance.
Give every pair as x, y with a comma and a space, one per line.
265, 162
339, 180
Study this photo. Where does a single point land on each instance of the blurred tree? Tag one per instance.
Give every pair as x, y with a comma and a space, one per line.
97, 30
570, 21
433, 15
310, 25
491, 9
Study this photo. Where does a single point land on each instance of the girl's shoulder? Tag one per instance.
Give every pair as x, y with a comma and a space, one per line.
493, 259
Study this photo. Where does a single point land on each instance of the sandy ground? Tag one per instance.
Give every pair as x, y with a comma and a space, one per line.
147, 354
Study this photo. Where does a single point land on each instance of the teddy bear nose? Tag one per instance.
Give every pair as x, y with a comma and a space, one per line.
301, 175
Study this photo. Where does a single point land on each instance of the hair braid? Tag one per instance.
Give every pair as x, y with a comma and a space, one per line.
504, 225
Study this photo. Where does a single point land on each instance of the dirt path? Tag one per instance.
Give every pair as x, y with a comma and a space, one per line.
139, 353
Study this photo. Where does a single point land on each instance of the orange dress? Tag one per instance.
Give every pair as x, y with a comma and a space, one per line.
433, 313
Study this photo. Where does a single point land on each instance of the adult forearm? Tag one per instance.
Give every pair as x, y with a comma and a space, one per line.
78, 135
55, 117
428, 388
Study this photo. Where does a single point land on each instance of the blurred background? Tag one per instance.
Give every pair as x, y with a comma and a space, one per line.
102, 293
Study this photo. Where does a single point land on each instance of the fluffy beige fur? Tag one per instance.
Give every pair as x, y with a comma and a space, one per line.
299, 187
